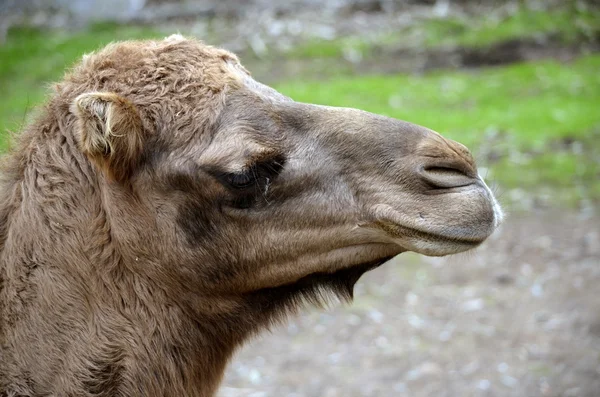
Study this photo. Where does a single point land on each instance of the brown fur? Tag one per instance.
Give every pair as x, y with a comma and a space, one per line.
131, 264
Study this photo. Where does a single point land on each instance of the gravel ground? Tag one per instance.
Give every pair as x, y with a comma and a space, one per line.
520, 316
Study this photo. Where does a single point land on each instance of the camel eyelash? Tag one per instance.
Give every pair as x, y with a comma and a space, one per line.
260, 173
240, 180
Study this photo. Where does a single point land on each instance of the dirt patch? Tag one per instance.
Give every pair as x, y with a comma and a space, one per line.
389, 60
518, 317
522, 50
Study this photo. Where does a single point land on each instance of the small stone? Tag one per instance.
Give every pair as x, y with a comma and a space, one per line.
591, 244
376, 316
526, 269
484, 384
400, 387
412, 299
502, 367
353, 319
504, 278
254, 376
469, 368
445, 335
509, 381
472, 305
382, 342
427, 368
537, 290
416, 321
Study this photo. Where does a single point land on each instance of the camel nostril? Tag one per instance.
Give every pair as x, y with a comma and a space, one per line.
446, 177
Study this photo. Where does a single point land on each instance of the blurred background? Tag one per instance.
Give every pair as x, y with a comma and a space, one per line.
518, 81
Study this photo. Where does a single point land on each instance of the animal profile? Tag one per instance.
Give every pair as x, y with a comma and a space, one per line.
164, 206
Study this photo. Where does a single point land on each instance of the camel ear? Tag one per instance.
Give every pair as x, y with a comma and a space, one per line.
109, 130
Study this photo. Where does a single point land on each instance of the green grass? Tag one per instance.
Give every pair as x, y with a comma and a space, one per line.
336, 48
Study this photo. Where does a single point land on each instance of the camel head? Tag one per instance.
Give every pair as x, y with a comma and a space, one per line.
246, 189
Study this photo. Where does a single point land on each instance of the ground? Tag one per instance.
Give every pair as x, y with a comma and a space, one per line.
520, 316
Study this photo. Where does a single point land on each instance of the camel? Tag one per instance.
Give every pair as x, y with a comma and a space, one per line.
164, 207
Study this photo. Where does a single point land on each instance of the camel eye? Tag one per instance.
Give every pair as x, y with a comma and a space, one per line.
241, 180
259, 174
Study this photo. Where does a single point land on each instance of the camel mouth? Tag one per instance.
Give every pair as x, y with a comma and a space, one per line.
433, 237
448, 224
399, 231
428, 243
